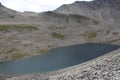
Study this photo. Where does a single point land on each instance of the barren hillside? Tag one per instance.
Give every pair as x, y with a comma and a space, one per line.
27, 34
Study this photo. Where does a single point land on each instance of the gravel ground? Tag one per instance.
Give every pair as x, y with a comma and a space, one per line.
106, 67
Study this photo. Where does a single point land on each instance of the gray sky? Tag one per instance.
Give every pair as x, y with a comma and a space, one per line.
35, 5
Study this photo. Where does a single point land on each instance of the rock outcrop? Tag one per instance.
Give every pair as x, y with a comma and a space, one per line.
104, 10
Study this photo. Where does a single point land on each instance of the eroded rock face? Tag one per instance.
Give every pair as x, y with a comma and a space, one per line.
105, 10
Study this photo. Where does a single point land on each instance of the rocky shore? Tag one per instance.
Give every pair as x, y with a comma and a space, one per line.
106, 67
28, 34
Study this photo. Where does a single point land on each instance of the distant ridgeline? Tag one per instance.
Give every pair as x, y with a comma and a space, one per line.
105, 10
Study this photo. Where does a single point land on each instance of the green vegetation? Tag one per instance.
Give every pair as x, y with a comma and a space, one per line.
13, 52
7, 51
19, 27
17, 55
42, 51
89, 35
58, 35
50, 46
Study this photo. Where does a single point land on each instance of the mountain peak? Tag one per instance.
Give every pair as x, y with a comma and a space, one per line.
1, 4
95, 4
106, 10
108, 3
99, 3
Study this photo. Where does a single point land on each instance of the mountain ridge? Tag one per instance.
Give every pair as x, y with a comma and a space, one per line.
104, 10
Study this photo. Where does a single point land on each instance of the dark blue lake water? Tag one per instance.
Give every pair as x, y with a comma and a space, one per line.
57, 59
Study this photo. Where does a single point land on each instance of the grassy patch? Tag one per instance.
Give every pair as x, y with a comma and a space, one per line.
89, 35
58, 35
7, 51
14, 53
17, 56
42, 51
20, 27
50, 46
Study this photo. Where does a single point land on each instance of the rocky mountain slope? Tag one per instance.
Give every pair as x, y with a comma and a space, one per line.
5, 12
104, 10
27, 34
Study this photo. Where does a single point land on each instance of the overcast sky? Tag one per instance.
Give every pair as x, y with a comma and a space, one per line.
35, 5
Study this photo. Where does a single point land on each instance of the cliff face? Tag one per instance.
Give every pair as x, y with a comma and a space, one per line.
104, 10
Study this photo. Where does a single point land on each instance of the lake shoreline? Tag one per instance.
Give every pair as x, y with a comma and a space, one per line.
57, 59
2, 61
79, 71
